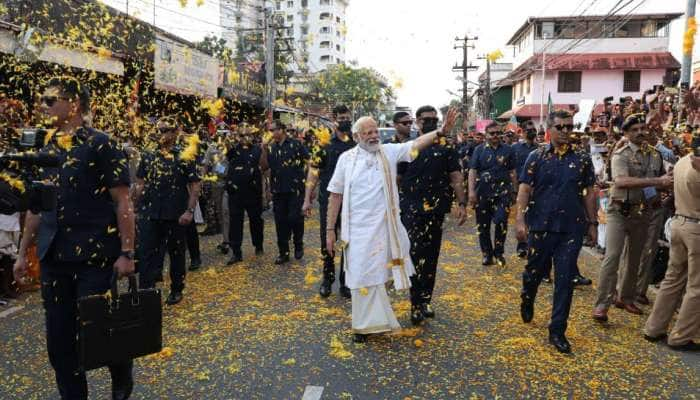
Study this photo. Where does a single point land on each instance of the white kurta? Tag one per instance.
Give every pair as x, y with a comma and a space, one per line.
368, 255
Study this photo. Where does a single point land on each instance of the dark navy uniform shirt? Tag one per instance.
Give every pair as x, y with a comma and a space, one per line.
83, 227
558, 187
520, 151
244, 178
166, 177
325, 159
493, 167
425, 184
287, 161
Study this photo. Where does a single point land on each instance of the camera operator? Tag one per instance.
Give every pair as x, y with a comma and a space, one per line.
86, 239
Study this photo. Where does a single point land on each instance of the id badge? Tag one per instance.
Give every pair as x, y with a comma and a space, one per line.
649, 192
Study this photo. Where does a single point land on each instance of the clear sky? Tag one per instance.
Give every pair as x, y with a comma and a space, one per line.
411, 41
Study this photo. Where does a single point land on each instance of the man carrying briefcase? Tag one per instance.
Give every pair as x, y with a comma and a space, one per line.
86, 239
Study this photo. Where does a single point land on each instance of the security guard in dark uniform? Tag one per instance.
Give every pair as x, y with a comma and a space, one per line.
86, 239
521, 150
425, 198
323, 160
170, 186
492, 181
244, 187
286, 160
556, 205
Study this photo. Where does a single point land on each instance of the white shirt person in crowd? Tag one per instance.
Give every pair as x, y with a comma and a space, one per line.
375, 243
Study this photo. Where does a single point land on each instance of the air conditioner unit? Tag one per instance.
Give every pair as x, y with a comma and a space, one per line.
29, 45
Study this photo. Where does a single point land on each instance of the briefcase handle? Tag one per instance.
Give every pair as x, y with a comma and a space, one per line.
133, 289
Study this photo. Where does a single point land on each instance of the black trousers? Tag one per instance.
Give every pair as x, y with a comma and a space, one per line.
62, 283
241, 203
328, 262
288, 220
425, 233
192, 239
492, 210
155, 237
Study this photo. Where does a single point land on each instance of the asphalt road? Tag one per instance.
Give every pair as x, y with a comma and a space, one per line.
260, 331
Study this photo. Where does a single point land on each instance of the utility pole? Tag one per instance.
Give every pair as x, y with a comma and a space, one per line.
544, 69
487, 92
465, 68
686, 67
269, 61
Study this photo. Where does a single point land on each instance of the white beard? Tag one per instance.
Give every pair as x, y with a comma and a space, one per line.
370, 148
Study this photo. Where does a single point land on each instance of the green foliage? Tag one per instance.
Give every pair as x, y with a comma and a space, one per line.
216, 47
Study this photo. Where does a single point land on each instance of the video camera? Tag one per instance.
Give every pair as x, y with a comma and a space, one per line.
20, 188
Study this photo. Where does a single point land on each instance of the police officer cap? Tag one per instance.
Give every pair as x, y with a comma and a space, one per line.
633, 120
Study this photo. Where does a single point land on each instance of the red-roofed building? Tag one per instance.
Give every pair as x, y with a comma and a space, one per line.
588, 57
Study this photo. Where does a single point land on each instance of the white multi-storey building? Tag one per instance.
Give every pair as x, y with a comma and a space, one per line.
317, 27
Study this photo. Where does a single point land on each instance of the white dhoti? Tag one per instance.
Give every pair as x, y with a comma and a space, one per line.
372, 312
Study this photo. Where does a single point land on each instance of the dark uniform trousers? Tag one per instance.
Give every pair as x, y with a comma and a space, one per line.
192, 239
494, 210
288, 220
425, 232
328, 262
238, 204
62, 283
562, 249
155, 236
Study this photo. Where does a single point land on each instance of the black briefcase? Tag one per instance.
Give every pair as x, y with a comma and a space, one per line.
117, 327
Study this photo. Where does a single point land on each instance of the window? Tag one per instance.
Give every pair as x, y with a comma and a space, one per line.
238, 18
290, 4
632, 81
325, 58
337, 47
569, 82
337, 19
527, 85
324, 2
325, 44
304, 30
545, 30
325, 29
290, 31
324, 16
649, 28
304, 3
337, 33
290, 18
278, 5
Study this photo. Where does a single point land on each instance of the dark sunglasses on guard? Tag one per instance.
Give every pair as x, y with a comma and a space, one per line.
430, 119
51, 100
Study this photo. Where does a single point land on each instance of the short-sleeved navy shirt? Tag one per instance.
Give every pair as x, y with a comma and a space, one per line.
425, 184
558, 186
166, 177
287, 161
493, 167
83, 227
325, 158
244, 177
520, 151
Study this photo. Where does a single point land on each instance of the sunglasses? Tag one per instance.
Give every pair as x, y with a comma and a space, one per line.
51, 100
430, 119
405, 123
561, 127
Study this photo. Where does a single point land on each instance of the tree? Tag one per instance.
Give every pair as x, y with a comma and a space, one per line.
216, 47
361, 89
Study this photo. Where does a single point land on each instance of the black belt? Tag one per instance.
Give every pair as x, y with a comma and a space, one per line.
688, 219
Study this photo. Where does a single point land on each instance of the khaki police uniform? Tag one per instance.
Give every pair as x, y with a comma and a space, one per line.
683, 272
626, 221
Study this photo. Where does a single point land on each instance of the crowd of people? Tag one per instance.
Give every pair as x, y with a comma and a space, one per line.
122, 203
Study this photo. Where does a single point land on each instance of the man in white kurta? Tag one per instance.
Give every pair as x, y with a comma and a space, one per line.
375, 243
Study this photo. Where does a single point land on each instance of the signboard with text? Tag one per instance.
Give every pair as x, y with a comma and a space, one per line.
183, 70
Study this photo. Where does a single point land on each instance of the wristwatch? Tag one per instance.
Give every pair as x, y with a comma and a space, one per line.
127, 253
190, 210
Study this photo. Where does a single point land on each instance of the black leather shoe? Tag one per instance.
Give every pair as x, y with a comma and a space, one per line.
299, 253
235, 259
223, 248
655, 339
417, 316
500, 260
259, 251
690, 346
123, 391
547, 279
345, 292
195, 264
359, 338
281, 260
522, 253
325, 289
559, 341
487, 260
581, 280
427, 311
173, 298
527, 310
